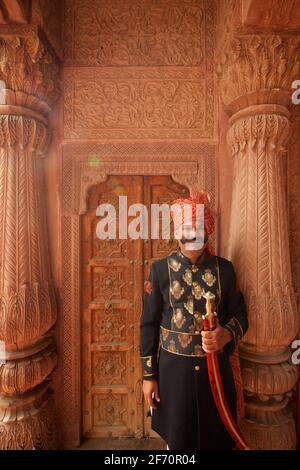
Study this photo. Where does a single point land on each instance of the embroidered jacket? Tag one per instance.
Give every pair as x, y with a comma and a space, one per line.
174, 305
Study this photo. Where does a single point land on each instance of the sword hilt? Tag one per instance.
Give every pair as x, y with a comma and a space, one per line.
210, 318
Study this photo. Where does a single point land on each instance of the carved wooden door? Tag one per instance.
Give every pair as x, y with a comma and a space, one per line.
113, 275
159, 190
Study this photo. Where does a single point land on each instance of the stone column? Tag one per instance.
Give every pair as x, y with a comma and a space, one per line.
257, 73
27, 295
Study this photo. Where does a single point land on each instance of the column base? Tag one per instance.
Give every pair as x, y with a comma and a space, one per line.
269, 437
29, 426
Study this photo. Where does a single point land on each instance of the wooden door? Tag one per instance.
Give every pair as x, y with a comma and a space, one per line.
113, 275
159, 190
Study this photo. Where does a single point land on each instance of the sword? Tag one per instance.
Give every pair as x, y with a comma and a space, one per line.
209, 324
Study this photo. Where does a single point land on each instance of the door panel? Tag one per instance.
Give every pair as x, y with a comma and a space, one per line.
159, 190
113, 275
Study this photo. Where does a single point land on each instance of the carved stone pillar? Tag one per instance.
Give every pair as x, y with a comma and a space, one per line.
27, 295
256, 83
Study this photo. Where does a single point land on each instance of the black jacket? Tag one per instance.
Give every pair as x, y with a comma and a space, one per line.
183, 313
171, 347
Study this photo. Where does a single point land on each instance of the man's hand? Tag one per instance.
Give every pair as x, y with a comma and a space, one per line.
150, 387
213, 341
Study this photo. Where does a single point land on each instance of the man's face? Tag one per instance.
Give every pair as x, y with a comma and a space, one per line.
193, 238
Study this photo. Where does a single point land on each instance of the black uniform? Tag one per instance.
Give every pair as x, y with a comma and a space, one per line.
171, 347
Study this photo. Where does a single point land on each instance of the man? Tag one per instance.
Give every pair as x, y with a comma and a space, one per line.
174, 344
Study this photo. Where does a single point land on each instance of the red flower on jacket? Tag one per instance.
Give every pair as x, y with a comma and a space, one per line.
148, 287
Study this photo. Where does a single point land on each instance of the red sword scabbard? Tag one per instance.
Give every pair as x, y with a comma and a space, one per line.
209, 324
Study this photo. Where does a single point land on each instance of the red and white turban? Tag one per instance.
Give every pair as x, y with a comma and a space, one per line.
197, 197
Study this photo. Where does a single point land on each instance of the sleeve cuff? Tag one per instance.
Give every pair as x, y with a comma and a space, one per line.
149, 367
236, 331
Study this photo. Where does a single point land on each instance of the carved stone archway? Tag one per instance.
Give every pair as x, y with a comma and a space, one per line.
83, 166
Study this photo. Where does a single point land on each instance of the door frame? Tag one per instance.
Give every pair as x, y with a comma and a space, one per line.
190, 163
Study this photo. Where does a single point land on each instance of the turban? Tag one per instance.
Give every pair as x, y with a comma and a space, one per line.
197, 197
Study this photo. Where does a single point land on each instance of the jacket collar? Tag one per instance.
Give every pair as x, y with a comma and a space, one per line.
185, 259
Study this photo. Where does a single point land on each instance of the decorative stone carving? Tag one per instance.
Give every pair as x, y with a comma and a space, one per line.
138, 103
258, 69
256, 77
139, 33
27, 295
49, 17
28, 68
293, 170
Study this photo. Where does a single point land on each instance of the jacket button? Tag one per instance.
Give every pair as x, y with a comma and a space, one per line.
197, 367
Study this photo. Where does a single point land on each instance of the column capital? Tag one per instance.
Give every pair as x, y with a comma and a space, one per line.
29, 69
258, 69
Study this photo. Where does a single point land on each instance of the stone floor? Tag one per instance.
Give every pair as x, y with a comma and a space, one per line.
122, 444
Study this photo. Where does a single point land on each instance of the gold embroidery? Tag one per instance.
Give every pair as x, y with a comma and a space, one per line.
189, 355
148, 287
149, 362
174, 331
208, 277
231, 322
198, 320
188, 277
172, 346
240, 326
198, 351
184, 340
197, 290
219, 290
184, 344
232, 331
165, 333
189, 305
176, 289
174, 264
178, 318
